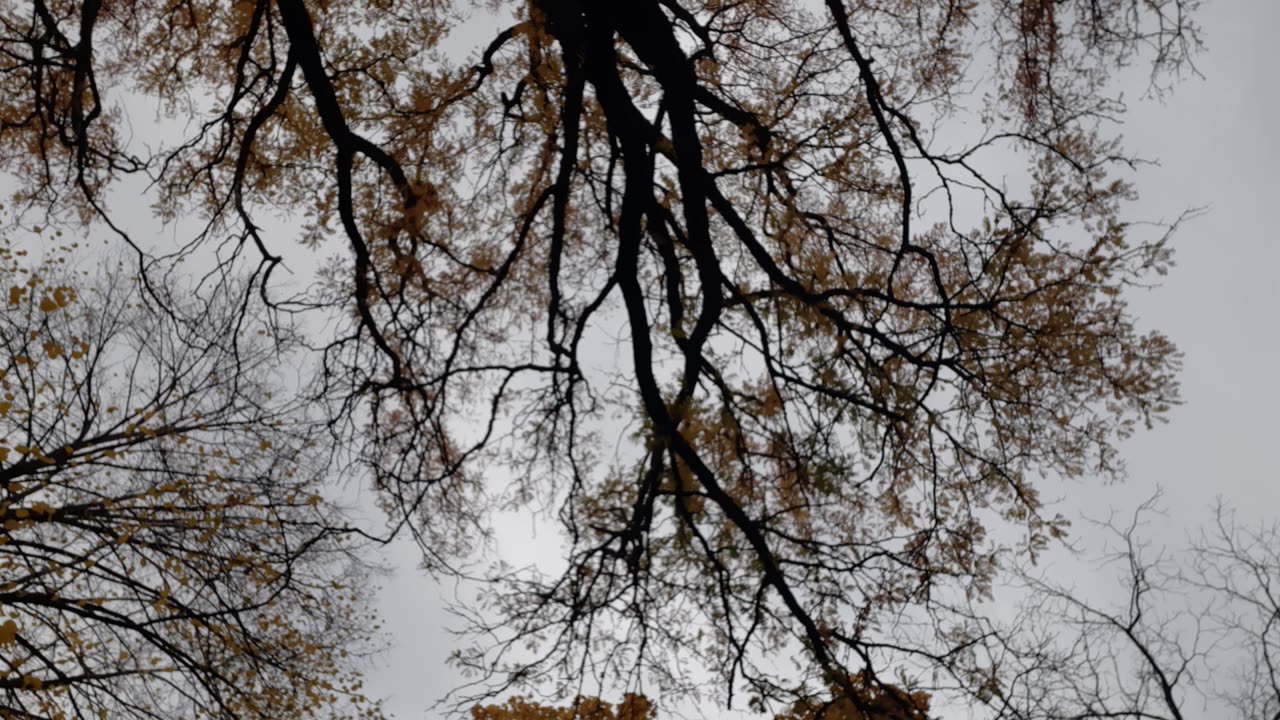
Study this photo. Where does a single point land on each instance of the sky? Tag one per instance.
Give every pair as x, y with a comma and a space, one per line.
1216, 142
1215, 139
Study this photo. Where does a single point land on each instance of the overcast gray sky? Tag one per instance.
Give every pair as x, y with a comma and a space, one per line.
1216, 142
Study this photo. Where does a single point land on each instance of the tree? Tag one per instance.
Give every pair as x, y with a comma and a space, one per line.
165, 552
850, 338
1193, 634
632, 707
873, 702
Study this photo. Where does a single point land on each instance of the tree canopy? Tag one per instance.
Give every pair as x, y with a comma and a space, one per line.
165, 551
786, 310
632, 707
873, 702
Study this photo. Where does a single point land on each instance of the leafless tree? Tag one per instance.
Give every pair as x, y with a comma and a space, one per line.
1174, 636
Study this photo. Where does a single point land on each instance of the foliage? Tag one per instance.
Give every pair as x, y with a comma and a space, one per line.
874, 700
632, 707
164, 551
860, 266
